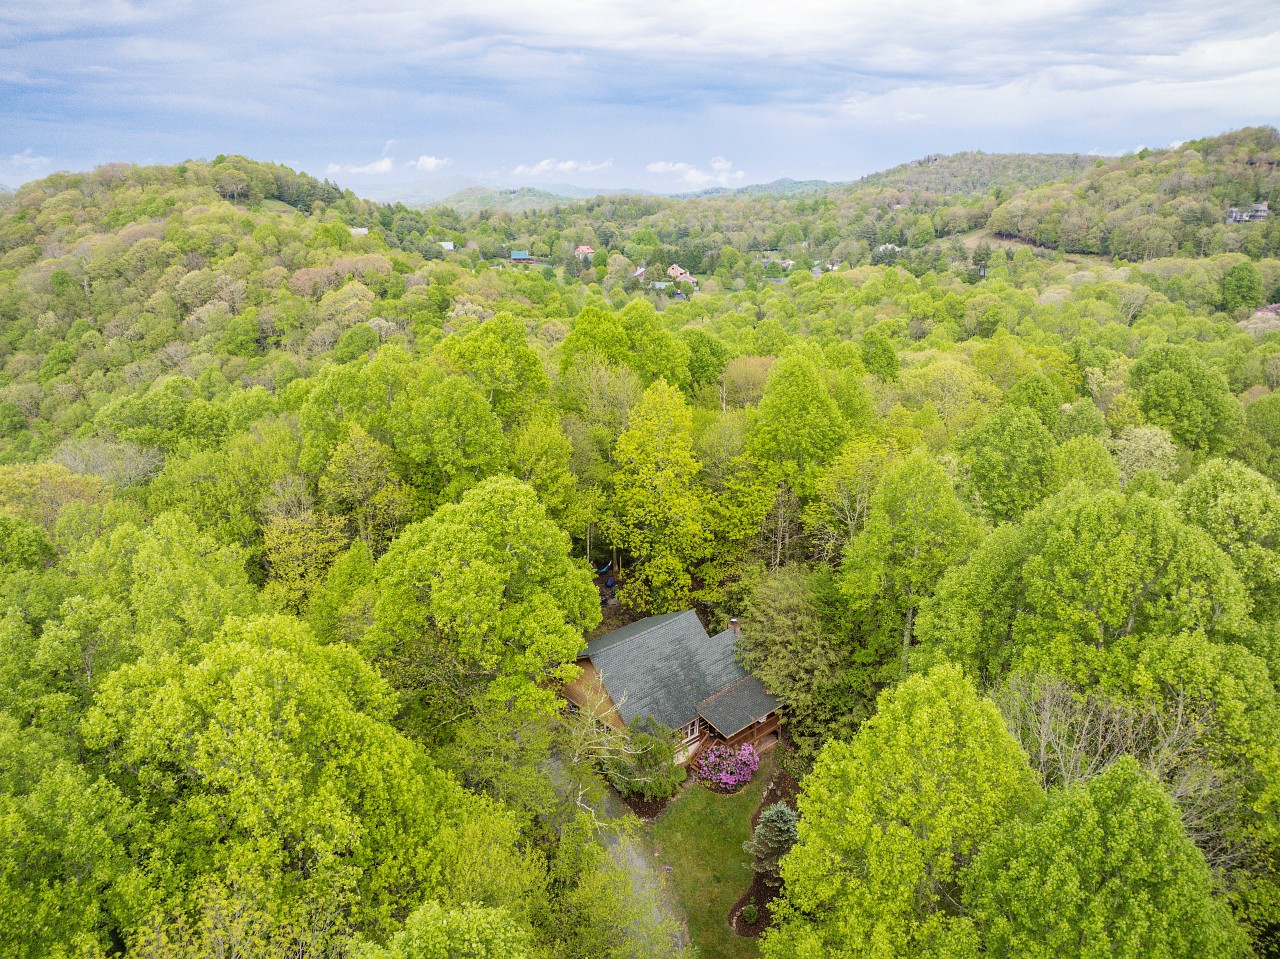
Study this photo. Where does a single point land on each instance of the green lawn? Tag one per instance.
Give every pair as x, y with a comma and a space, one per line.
700, 835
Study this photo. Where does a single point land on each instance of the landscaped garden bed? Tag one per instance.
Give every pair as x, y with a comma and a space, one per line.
760, 895
647, 810
781, 788
726, 769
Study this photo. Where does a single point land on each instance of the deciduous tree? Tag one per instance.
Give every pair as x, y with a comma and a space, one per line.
890, 819
658, 511
1105, 870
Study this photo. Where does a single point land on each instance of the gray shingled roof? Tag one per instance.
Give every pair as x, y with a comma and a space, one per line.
664, 667
734, 709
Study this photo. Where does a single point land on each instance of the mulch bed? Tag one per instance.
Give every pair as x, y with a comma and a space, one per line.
781, 789
721, 791
646, 809
762, 894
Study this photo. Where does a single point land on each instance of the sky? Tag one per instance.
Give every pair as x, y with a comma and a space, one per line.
399, 98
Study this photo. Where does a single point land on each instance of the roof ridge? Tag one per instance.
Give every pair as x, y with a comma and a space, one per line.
640, 627
728, 689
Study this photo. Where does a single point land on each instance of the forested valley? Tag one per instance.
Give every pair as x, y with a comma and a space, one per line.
306, 505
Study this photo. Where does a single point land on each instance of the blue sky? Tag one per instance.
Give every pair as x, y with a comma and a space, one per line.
390, 97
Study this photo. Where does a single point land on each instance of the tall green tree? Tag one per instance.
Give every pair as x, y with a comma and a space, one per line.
67, 882
271, 762
890, 819
791, 640
300, 549
658, 510
450, 437
542, 456
880, 356
1241, 288
1010, 462
1240, 509
1106, 869
1080, 587
1179, 391
360, 481
482, 597
916, 530
433, 931
798, 425
497, 358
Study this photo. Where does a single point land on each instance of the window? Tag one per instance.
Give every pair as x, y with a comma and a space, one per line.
691, 731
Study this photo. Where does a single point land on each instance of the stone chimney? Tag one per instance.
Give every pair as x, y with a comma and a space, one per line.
733, 627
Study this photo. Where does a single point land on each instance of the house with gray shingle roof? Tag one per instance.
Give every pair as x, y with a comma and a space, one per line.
668, 667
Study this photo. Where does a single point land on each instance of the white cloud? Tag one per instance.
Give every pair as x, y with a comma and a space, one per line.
552, 165
840, 87
721, 172
18, 168
860, 106
757, 29
428, 164
385, 165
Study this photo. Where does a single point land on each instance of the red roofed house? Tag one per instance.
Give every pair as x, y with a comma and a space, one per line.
680, 275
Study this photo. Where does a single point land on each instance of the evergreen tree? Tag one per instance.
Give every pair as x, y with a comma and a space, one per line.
772, 839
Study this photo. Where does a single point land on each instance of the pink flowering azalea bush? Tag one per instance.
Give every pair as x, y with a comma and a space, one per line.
725, 768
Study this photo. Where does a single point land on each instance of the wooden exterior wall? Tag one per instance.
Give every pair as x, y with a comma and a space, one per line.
752, 734
587, 692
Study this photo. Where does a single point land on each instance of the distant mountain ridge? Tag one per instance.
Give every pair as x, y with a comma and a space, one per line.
971, 173
479, 196
974, 172
516, 199
784, 186
1155, 203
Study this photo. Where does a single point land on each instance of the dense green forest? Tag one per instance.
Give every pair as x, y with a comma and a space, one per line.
300, 513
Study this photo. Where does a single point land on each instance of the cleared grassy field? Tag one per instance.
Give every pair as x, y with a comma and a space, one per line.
700, 835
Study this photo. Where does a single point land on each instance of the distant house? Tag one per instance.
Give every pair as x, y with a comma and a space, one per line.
669, 668
446, 245
1255, 214
521, 256
639, 274
359, 230
679, 274
583, 252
